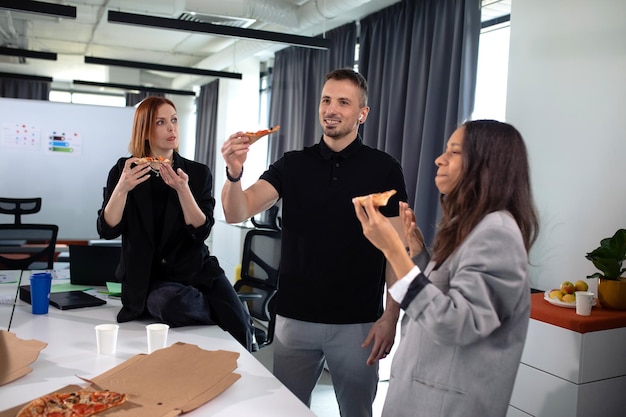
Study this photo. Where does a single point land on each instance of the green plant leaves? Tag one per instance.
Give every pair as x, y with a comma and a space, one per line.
609, 256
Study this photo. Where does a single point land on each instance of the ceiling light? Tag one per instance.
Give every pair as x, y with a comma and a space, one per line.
208, 28
159, 67
25, 77
57, 10
27, 54
136, 87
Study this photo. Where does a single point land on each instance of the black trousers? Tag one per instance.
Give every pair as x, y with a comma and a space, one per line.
180, 305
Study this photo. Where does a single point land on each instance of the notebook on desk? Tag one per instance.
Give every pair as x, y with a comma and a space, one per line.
93, 265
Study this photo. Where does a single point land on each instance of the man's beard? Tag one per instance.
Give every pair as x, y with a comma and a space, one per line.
335, 132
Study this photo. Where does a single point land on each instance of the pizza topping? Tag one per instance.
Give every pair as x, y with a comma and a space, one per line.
154, 159
379, 199
254, 136
72, 404
155, 162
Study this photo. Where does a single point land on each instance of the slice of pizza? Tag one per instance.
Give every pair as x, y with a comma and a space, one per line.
155, 161
254, 136
72, 404
379, 199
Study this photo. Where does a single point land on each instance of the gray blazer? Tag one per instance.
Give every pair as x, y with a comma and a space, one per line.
463, 331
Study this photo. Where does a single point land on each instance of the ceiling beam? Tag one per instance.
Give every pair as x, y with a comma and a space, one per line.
51, 56
39, 7
159, 67
135, 87
495, 21
221, 30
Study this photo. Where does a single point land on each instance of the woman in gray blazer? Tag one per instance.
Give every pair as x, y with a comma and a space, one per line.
466, 309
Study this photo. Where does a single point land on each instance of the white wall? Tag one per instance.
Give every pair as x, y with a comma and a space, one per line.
566, 94
186, 111
237, 111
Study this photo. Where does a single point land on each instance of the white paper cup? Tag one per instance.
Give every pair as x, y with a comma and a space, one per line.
157, 336
584, 302
106, 338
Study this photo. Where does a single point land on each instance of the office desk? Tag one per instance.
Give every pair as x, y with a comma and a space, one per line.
71, 351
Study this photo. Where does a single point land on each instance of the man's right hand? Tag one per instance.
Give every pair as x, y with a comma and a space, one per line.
235, 151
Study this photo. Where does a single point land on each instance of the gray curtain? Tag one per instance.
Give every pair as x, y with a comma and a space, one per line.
419, 57
206, 122
132, 99
297, 80
33, 88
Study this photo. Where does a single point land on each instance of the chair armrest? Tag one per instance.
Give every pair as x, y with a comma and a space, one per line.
248, 296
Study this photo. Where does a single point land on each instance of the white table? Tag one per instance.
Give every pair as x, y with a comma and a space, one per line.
71, 351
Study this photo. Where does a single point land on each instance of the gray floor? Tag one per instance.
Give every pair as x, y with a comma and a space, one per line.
323, 402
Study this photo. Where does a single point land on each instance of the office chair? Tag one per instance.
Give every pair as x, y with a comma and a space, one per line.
19, 206
27, 246
269, 219
259, 280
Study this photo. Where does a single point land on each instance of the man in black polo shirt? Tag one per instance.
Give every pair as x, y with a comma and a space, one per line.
330, 302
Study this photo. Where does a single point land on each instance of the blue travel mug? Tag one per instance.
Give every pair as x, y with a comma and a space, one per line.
40, 292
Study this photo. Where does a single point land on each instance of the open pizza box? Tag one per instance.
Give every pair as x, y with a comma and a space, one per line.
16, 355
165, 383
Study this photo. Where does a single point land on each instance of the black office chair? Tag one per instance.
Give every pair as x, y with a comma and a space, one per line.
259, 280
27, 246
19, 206
269, 219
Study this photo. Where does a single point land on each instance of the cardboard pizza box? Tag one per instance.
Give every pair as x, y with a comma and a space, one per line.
16, 355
165, 383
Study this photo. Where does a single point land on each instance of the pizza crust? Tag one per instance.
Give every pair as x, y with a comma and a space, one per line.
378, 199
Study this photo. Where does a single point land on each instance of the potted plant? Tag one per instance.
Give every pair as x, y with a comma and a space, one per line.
609, 258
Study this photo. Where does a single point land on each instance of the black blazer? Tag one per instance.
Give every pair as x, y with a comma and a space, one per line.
182, 250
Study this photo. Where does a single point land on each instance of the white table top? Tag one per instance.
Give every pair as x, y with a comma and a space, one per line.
71, 351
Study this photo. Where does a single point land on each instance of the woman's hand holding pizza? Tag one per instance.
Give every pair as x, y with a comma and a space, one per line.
379, 230
376, 227
133, 174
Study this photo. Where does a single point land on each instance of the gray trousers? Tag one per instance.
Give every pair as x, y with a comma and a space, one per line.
300, 349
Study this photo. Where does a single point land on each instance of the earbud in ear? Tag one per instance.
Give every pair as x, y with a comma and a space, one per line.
360, 117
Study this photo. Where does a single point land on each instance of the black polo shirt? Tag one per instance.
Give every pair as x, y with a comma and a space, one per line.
330, 273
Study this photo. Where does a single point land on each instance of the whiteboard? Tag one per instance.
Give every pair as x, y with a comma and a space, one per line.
61, 153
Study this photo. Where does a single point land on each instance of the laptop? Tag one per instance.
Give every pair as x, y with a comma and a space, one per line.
93, 264
66, 300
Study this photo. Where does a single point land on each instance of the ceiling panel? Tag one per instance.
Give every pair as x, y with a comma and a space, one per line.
90, 34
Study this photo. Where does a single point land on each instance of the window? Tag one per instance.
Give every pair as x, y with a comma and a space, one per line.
87, 98
493, 60
265, 93
493, 66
